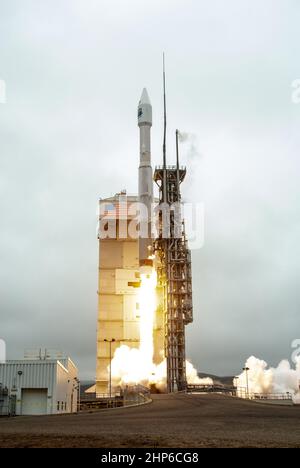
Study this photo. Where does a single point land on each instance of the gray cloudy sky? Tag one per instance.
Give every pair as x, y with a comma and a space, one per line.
74, 72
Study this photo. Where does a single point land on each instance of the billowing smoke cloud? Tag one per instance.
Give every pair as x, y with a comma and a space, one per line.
280, 380
129, 367
193, 378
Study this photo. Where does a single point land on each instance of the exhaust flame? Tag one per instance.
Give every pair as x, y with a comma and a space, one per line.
147, 307
131, 366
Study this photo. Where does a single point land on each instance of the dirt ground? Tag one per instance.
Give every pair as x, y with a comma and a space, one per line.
169, 421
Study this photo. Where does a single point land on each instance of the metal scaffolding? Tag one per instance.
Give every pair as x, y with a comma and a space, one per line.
174, 270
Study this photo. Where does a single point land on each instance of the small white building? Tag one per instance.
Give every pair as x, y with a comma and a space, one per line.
36, 387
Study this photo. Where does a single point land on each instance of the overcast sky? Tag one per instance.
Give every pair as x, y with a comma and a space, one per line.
74, 72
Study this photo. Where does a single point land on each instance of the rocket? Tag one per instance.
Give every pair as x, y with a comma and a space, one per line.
145, 180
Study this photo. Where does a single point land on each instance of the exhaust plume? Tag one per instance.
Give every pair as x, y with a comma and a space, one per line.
131, 366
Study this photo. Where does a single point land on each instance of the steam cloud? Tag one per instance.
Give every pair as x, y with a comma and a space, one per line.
261, 379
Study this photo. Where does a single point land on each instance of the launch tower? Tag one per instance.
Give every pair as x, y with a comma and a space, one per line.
173, 265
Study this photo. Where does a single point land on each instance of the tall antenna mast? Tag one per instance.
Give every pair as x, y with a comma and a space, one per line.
165, 136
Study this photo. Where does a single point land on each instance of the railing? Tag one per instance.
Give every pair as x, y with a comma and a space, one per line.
135, 395
128, 396
209, 388
271, 396
242, 392
160, 168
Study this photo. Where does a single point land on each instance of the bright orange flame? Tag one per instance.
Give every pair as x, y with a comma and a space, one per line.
147, 307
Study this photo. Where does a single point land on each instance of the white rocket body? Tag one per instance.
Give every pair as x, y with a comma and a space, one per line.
145, 179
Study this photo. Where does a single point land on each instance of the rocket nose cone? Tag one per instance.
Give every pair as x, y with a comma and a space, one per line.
145, 98
144, 110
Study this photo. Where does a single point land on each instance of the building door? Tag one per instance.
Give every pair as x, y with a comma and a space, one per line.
34, 401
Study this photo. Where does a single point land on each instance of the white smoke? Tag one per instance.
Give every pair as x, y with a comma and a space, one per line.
190, 156
160, 376
129, 367
184, 136
191, 139
261, 379
193, 378
296, 398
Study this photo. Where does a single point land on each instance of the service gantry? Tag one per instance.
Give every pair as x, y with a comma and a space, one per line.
173, 263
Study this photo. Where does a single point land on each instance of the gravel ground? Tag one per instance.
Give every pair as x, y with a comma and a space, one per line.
169, 421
